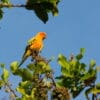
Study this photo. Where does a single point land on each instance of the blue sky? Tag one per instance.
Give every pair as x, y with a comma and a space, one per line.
78, 25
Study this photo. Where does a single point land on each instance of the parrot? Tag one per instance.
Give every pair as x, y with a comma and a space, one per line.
34, 47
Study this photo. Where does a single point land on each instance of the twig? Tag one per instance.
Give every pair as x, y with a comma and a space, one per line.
49, 75
11, 90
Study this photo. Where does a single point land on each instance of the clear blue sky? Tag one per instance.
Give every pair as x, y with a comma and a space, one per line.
78, 25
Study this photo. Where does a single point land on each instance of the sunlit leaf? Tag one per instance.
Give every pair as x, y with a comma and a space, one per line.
23, 84
92, 63
74, 65
62, 60
65, 66
5, 74
42, 67
5, 1
14, 66
27, 97
27, 86
25, 89
89, 75
46, 68
33, 92
21, 90
91, 90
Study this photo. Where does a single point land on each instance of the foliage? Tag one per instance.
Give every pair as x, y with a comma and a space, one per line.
75, 76
41, 7
38, 82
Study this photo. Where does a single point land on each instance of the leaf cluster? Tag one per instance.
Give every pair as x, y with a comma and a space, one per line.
41, 8
75, 76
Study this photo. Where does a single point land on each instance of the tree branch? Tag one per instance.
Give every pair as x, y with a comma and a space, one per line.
10, 89
11, 5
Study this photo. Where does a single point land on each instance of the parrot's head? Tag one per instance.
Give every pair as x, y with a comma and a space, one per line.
43, 35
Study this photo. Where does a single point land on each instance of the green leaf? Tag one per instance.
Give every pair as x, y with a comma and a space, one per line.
98, 85
40, 67
62, 60
82, 51
1, 83
27, 86
26, 89
5, 74
41, 13
92, 63
17, 98
26, 74
76, 91
14, 66
21, 90
31, 66
42, 8
59, 82
45, 67
91, 90
39, 10
88, 76
51, 6
81, 54
2, 65
5, 1
65, 66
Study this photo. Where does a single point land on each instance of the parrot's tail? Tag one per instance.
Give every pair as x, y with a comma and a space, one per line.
22, 61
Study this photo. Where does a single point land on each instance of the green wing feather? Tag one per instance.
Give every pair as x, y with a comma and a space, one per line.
30, 41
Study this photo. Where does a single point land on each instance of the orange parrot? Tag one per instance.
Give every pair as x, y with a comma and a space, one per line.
35, 45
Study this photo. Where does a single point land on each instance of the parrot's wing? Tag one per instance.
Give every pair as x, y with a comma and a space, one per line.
26, 49
30, 41
25, 55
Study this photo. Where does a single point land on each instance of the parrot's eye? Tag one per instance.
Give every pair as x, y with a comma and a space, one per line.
44, 38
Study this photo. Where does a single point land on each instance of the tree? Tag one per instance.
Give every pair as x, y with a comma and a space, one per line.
38, 81
40, 7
